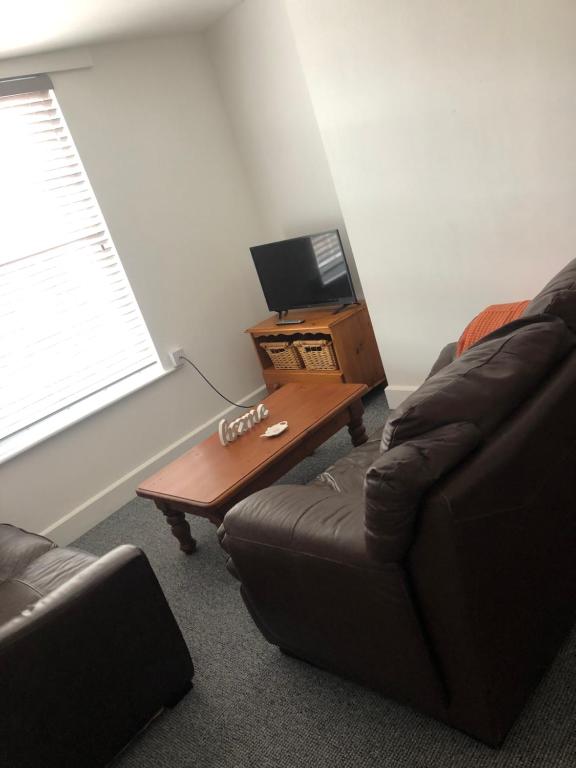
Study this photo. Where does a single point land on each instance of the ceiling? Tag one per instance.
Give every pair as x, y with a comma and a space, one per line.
34, 26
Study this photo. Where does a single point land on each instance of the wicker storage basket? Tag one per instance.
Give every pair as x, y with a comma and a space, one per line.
317, 354
282, 354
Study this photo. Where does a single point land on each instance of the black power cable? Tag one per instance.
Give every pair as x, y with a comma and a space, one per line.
181, 357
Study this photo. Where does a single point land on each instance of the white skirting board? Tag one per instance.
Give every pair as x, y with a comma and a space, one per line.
109, 499
395, 395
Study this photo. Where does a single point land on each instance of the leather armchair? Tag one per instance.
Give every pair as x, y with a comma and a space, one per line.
89, 652
438, 564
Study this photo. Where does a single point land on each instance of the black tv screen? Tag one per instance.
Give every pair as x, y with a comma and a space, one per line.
304, 272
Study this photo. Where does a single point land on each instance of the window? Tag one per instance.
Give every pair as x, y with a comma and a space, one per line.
72, 337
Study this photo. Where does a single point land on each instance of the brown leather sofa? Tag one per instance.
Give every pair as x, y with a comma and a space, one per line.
438, 563
89, 652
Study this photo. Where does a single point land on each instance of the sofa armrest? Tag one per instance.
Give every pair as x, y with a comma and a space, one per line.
84, 668
399, 479
302, 519
314, 590
446, 356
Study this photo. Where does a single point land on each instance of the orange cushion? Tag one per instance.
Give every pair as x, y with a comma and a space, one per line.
490, 319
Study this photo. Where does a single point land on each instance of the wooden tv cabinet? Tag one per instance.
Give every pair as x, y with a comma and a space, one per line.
352, 337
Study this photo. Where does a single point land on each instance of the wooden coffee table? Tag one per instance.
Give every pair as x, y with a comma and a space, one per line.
210, 478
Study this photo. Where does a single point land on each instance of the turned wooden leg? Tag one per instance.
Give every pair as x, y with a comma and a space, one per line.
179, 527
356, 425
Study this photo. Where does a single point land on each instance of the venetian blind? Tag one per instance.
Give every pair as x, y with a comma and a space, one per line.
69, 323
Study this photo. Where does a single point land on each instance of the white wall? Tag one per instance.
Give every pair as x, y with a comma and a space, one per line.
450, 131
259, 74
150, 127
444, 133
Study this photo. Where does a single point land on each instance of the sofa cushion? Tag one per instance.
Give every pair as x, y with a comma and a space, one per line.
14, 598
347, 474
303, 520
54, 568
19, 548
397, 480
558, 297
486, 383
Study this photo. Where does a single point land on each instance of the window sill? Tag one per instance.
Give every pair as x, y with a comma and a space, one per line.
37, 433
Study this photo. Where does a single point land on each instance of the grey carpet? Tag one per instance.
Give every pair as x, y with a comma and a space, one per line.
252, 706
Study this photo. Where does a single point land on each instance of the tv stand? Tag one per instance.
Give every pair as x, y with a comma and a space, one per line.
353, 342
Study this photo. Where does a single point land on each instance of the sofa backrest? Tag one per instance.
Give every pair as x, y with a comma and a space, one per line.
492, 560
485, 383
18, 549
449, 416
558, 297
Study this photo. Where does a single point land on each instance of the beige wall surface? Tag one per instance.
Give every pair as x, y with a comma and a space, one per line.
150, 127
450, 132
264, 89
441, 134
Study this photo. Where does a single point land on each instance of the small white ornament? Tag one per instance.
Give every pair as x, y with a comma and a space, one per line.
275, 429
229, 432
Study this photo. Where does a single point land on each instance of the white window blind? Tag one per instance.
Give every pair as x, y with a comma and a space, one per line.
70, 326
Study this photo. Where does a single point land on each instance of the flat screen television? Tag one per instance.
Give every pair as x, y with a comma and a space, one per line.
304, 272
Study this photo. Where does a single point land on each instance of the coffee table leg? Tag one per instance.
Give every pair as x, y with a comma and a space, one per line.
180, 528
356, 425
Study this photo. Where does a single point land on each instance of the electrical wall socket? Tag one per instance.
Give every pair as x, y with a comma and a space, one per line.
176, 357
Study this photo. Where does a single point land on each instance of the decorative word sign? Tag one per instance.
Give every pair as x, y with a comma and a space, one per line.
229, 432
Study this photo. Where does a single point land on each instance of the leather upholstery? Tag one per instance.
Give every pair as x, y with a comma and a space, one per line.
307, 576
399, 478
485, 383
54, 568
31, 566
443, 573
14, 598
558, 297
328, 525
89, 652
19, 548
347, 475
493, 560
446, 356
